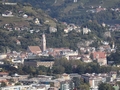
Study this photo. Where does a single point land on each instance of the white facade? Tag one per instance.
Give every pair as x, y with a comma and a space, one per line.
68, 53
86, 30
7, 3
52, 29
37, 21
24, 87
65, 86
75, 1
3, 56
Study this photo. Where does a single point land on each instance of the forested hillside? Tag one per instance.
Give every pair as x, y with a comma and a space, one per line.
17, 25
68, 11
19, 32
78, 12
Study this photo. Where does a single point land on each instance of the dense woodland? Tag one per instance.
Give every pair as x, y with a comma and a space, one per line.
58, 39
76, 13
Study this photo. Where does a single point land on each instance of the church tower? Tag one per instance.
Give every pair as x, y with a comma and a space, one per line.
74, 0
44, 42
113, 45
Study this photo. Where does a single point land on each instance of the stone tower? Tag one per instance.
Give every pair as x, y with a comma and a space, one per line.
74, 0
43, 42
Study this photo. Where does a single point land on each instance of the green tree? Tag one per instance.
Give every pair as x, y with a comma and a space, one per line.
81, 69
3, 84
58, 69
18, 83
77, 81
84, 87
115, 57
105, 86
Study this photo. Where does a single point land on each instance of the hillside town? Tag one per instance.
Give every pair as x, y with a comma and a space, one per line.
31, 56
43, 56
64, 82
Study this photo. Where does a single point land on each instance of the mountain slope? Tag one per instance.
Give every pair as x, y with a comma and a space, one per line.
19, 11
76, 12
24, 16
18, 27
49, 3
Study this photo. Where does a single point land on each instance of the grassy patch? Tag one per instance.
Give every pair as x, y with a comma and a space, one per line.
29, 9
58, 2
71, 7
6, 20
51, 22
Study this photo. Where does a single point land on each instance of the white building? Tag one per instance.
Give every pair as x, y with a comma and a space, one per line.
8, 14
68, 53
86, 30
26, 87
37, 21
3, 56
25, 16
52, 29
7, 3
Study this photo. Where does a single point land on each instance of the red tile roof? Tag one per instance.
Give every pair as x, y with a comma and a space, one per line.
99, 55
34, 49
4, 73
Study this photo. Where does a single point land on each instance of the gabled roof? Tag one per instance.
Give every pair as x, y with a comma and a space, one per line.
34, 49
99, 54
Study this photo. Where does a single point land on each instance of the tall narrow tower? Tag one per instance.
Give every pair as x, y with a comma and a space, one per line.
74, 0
113, 45
44, 42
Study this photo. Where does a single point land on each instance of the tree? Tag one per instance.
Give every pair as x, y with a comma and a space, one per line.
80, 69
58, 69
105, 86
115, 57
77, 81
18, 83
84, 87
3, 84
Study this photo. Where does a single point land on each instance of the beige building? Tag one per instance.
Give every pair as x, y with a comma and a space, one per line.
94, 79
66, 76
36, 63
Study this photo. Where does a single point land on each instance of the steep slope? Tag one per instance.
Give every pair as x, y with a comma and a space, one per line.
49, 3
76, 12
22, 25
21, 29
19, 11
